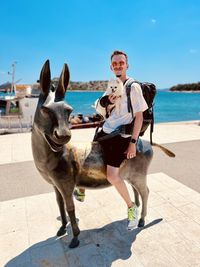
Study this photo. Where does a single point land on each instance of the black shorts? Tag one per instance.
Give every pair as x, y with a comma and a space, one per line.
114, 148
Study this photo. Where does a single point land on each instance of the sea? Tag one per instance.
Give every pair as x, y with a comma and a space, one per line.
168, 106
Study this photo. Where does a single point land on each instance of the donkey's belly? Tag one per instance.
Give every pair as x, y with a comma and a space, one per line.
92, 169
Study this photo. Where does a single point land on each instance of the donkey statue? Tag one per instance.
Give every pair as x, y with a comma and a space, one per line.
65, 165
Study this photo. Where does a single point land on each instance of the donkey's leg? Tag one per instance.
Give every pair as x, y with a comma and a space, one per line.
136, 194
61, 206
71, 212
66, 189
144, 193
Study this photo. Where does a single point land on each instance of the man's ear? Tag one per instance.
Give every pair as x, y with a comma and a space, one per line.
111, 67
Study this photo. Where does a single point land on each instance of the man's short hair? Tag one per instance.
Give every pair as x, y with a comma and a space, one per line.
118, 52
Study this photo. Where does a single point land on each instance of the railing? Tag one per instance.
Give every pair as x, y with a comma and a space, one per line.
14, 122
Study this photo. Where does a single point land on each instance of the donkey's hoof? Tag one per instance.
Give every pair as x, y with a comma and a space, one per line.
141, 222
74, 243
61, 231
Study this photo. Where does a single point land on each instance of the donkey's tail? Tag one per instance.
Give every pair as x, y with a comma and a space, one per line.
165, 150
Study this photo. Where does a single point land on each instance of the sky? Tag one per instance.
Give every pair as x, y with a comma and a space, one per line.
161, 38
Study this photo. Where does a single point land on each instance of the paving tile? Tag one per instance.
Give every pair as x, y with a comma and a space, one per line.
169, 212
150, 244
186, 191
189, 229
190, 196
166, 181
12, 205
173, 198
192, 211
152, 215
183, 253
150, 253
13, 216
156, 185
6, 152
14, 248
155, 199
38, 207
174, 132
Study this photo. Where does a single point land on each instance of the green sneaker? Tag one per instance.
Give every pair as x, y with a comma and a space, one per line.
80, 196
132, 217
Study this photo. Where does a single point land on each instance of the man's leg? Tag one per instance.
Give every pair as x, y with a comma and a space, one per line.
114, 178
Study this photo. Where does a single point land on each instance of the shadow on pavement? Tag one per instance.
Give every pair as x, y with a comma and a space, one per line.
98, 247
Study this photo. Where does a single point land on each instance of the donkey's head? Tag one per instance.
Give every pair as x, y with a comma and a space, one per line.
52, 113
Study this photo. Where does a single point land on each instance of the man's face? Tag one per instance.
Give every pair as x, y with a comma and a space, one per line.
119, 65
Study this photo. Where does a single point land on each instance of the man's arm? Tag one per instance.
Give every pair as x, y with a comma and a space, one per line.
137, 124
131, 151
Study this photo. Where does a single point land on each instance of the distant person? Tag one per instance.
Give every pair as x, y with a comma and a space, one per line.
120, 147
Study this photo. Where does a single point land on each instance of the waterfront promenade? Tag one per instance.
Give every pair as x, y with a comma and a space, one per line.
30, 218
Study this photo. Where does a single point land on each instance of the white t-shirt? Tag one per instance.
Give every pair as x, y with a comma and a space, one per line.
120, 115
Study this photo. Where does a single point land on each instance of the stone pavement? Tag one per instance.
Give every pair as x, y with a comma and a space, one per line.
171, 236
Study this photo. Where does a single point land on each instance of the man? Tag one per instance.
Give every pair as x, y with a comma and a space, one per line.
122, 146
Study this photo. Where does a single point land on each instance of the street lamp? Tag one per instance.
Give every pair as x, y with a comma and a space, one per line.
13, 76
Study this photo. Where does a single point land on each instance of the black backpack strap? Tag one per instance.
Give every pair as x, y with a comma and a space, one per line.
128, 94
151, 126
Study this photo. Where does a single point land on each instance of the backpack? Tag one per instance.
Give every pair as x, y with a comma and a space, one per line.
149, 92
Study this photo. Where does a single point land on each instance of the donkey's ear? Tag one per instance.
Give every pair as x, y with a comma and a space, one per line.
45, 78
63, 81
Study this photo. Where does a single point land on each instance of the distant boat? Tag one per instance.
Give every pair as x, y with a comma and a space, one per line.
5, 87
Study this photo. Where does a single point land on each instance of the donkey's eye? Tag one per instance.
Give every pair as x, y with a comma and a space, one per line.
45, 111
68, 109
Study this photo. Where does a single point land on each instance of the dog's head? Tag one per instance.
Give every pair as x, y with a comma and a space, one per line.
115, 87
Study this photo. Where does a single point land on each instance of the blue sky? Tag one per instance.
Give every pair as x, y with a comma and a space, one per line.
161, 37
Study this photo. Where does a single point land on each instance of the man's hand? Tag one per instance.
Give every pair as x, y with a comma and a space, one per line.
131, 151
112, 98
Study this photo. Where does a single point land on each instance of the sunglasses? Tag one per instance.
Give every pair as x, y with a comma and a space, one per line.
120, 63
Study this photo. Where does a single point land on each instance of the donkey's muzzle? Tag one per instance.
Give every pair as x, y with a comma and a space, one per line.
61, 136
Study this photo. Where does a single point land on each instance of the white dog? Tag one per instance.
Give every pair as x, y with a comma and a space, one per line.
114, 87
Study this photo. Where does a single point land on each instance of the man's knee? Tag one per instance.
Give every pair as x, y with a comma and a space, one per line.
113, 178
113, 175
